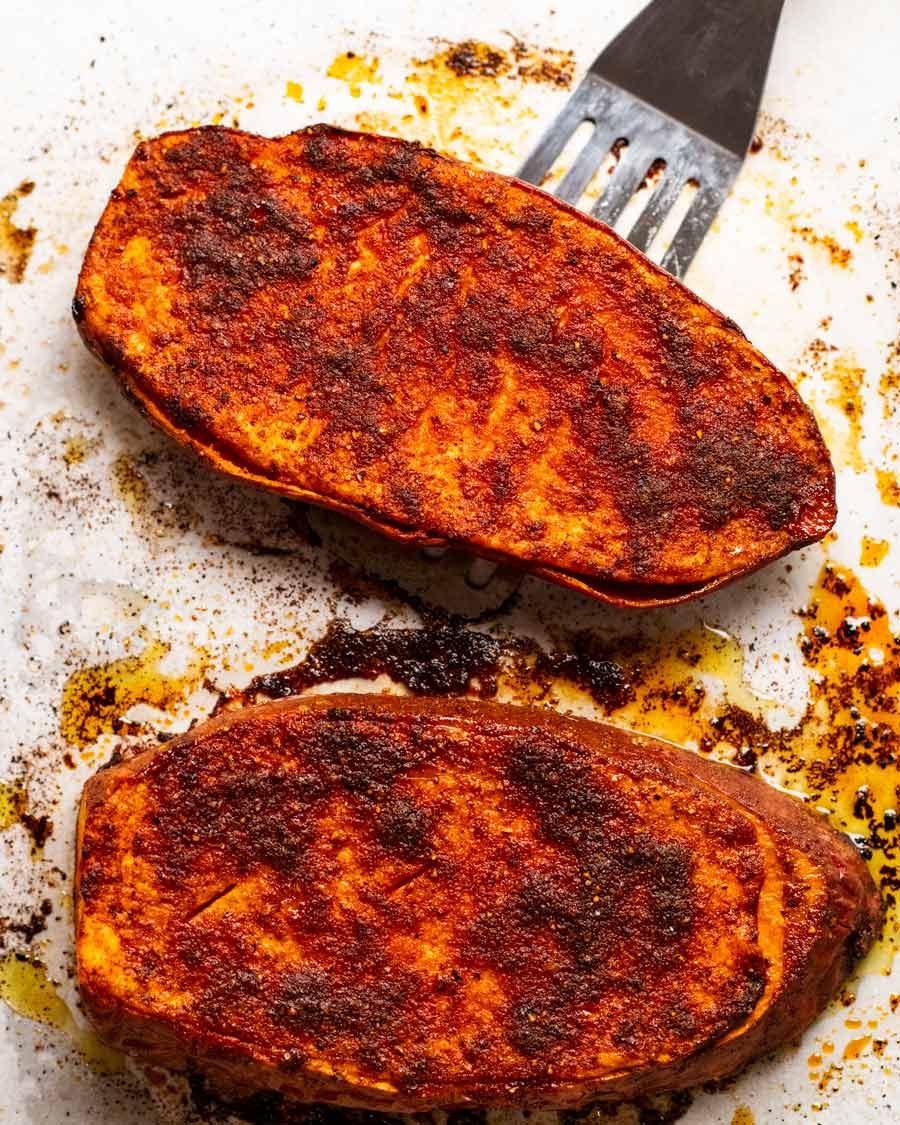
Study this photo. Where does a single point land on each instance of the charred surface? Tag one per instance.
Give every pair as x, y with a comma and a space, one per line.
400, 903
447, 355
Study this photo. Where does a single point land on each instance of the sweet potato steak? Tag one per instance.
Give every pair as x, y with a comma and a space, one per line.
403, 904
448, 356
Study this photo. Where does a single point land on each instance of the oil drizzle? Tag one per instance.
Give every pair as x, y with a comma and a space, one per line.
28, 991
94, 699
664, 685
14, 809
355, 70
16, 243
888, 487
846, 381
872, 551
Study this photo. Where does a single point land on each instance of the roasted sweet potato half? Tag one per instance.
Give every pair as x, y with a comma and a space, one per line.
448, 356
402, 904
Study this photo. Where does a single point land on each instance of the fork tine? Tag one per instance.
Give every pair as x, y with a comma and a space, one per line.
573, 184
544, 154
623, 182
696, 223
648, 223
590, 102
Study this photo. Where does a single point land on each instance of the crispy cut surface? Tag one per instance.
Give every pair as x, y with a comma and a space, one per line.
406, 903
447, 355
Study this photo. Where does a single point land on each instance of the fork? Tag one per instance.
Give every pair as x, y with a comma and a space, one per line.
681, 86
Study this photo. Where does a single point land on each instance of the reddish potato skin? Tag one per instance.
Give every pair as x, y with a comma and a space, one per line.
387, 785
450, 357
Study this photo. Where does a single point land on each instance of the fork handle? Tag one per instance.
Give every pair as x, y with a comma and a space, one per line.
701, 61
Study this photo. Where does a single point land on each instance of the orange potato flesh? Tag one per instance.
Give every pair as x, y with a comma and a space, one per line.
406, 904
449, 356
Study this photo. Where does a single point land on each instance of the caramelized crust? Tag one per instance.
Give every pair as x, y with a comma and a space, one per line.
405, 904
447, 355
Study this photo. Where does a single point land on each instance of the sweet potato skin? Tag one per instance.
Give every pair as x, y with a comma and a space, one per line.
405, 904
449, 356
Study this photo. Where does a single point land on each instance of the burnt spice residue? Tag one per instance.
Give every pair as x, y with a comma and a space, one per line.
15, 809
437, 660
590, 667
470, 57
26, 931
522, 61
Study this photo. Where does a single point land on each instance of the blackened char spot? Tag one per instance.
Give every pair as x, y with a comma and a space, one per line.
556, 777
313, 1002
189, 416
534, 1030
686, 363
404, 826
225, 982
737, 474
327, 150
360, 757
238, 237
645, 489
616, 901
244, 813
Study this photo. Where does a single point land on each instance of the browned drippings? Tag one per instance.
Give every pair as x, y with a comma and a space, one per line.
654, 684
591, 667
522, 61
15, 809
437, 660
471, 57
16, 243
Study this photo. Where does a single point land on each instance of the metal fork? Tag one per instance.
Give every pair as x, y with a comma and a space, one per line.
681, 85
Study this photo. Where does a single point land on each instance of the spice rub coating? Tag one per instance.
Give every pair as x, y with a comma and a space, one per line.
407, 904
447, 355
